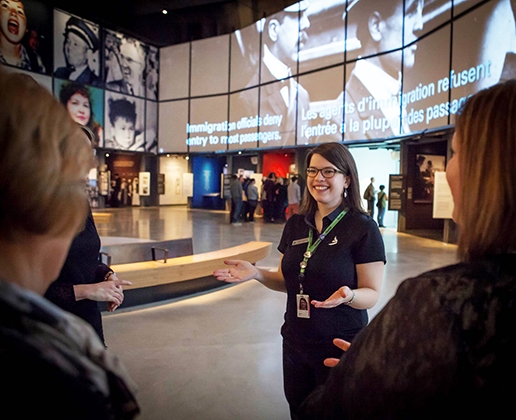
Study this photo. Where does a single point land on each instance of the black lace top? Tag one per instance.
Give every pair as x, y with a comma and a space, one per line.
443, 347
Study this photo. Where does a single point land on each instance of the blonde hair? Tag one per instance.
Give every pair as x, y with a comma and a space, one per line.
44, 160
486, 138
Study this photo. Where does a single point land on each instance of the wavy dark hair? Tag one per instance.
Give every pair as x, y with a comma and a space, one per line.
338, 155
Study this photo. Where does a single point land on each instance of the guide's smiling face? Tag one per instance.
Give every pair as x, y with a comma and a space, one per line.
13, 20
326, 191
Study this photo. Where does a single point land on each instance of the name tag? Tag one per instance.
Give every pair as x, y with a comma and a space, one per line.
300, 241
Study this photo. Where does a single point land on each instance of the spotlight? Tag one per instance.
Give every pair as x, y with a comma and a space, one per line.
164, 11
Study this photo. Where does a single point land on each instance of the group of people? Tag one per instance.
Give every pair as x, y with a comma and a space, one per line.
279, 198
379, 197
443, 345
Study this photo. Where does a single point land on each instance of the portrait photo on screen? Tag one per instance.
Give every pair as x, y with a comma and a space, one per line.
124, 64
25, 35
124, 122
152, 73
322, 122
283, 36
484, 48
377, 26
324, 44
85, 104
76, 49
151, 126
208, 127
424, 178
243, 120
425, 83
280, 103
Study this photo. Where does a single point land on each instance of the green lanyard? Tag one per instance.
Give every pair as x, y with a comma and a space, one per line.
310, 248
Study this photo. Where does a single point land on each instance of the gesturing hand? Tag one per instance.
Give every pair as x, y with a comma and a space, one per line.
341, 344
238, 271
343, 294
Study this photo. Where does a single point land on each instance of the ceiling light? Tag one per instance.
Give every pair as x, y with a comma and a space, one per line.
164, 11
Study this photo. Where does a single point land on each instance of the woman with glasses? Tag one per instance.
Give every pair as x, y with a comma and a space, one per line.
333, 257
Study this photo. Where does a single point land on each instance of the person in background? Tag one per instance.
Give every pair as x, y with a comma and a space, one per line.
13, 26
281, 202
80, 42
252, 199
269, 197
447, 337
332, 256
370, 197
382, 205
78, 102
235, 188
84, 280
53, 364
294, 197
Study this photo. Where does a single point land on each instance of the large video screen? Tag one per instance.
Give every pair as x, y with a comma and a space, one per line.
207, 130
243, 120
173, 123
210, 66
174, 74
245, 58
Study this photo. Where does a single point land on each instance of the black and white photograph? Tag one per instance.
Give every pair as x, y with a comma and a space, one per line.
151, 126
152, 73
76, 49
124, 122
425, 168
124, 64
26, 35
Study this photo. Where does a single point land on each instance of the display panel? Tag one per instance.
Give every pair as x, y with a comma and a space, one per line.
124, 122
483, 50
174, 72
324, 44
460, 6
435, 13
321, 123
243, 120
283, 35
151, 126
374, 27
26, 35
279, 102
425, 96
245, 57
152, 73
85, 104
41, 79
173, 123
124, 64
208, 127
372, 107
210, 66
76, 49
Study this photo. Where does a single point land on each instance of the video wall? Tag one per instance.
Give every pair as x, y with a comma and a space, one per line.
333, 70
107, 81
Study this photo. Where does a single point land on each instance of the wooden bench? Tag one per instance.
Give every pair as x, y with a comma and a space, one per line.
145, 251
178, 276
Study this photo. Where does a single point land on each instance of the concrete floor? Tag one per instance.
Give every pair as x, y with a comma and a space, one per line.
217, 355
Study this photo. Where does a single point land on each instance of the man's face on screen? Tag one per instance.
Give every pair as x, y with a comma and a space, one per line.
392, 32
290, 34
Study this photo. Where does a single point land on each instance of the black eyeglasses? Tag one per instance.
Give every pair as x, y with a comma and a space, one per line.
312, 172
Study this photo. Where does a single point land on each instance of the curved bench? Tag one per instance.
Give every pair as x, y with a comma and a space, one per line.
156, 280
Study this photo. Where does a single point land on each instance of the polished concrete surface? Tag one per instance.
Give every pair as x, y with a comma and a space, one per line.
217, 355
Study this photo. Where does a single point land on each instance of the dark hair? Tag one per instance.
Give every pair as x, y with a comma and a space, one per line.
272, 175
382, 187
69, 89
122, 108
338, 155
365, 9
294, 178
